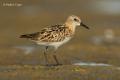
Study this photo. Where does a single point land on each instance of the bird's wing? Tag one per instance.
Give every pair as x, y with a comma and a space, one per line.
50, 34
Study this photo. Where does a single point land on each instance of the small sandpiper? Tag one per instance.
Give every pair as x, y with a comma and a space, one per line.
56, 35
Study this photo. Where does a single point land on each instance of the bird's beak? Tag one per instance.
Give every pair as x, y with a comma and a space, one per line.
82, 24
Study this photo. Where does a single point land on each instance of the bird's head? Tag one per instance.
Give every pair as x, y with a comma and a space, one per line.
75, 21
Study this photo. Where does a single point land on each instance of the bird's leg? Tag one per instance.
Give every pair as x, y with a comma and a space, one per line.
56, 60
45, 55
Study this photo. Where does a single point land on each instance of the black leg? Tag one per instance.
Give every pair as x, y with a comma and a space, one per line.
56, 60
45, 55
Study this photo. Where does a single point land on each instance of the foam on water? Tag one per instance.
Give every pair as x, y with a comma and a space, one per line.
91, 64
95, 64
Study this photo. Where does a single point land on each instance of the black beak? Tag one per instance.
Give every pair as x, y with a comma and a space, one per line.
84, 25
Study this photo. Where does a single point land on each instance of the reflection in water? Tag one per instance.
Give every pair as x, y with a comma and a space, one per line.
107, 6
108, 37
26, 49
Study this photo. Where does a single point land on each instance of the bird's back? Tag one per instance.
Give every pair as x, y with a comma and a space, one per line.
54, 33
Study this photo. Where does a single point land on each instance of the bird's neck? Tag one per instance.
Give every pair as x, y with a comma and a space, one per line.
71, 27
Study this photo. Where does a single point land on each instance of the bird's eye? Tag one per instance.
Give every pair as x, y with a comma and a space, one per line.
75, 19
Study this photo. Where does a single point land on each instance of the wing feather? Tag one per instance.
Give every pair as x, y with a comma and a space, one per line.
51, 34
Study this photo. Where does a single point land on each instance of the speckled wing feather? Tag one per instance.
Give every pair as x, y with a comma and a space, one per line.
54, 33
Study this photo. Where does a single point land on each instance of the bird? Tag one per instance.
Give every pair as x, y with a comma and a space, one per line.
55, 35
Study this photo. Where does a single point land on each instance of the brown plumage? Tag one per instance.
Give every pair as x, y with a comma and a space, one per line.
54, 33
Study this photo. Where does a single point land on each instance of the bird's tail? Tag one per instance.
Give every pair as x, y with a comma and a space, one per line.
33, 35
25, 36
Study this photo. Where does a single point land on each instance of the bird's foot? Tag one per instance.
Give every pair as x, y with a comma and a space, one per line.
51, 65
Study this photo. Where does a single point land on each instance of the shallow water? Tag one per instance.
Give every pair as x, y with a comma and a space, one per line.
88, 45
98, 48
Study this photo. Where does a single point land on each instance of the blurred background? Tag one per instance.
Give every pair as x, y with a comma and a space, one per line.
99, 44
